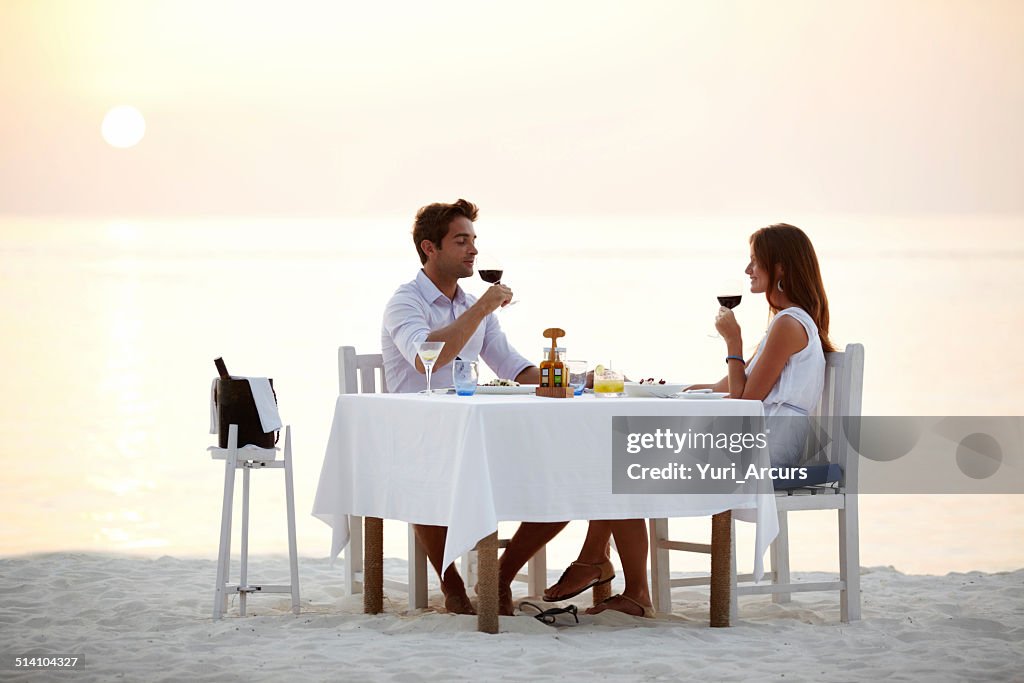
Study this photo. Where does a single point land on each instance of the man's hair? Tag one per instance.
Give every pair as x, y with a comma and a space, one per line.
432, 222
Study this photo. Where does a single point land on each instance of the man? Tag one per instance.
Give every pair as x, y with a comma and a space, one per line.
434, 308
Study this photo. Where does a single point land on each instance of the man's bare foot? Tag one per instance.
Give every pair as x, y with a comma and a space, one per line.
578, 577
624, 604
506, 608
458, 603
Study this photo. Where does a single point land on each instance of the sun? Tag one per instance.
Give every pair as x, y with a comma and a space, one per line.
123, 127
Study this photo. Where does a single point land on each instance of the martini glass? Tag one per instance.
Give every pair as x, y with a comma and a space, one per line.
428, 352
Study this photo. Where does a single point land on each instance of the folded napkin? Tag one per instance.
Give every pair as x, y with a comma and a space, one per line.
262, 394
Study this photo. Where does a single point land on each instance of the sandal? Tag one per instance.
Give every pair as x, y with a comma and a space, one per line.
607, 573
647, 611
548, 616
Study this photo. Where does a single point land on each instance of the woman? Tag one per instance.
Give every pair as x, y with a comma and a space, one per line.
787, 373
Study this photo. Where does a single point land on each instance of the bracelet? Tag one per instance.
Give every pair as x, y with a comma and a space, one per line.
729, 358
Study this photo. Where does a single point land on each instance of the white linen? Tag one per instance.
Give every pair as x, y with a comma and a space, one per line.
469, 462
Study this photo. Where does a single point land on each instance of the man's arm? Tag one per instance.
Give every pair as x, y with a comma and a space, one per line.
458, 333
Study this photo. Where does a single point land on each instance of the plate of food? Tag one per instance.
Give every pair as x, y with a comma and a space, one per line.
505, 386
653, 388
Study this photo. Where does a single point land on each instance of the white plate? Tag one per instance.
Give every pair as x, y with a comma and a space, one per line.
704, 395
521, 389
645, 390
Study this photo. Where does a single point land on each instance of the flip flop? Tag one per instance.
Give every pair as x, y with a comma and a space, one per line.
549, 616
607, 573
646, 611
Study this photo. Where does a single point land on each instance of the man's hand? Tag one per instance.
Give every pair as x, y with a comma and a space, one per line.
495, 297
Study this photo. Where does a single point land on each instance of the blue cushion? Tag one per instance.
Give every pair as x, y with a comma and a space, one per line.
816, 475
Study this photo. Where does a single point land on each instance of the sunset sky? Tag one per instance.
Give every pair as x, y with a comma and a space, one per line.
670, 107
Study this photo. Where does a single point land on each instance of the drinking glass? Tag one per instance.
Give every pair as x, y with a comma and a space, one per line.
491, 271
465, 376
729, 295
608, 383
428, 352
577, 375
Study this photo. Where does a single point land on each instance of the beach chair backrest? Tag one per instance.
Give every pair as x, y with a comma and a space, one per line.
840, 401
357, 374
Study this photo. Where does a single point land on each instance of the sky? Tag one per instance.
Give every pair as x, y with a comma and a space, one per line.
334, 109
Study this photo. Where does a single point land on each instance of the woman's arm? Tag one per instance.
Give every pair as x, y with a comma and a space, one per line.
786, 337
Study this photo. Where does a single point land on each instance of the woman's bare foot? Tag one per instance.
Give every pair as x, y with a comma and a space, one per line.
458, 603
578, 577
624, 604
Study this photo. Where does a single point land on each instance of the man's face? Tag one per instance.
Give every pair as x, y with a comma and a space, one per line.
458, 249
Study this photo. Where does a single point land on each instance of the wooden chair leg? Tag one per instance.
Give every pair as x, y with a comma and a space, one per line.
849, 561
537, 573
661, 588
780, 558
354, 556
721, 560
417, 575
373, 576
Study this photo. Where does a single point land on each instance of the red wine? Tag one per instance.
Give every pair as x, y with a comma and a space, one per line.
730, 301
492, 276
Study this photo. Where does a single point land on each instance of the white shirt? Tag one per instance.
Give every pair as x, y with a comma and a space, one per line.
796, 394
415, 310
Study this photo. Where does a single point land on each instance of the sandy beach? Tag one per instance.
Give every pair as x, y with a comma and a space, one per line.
146, 619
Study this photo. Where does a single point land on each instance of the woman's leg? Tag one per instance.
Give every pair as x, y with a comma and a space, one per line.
587, 568
631, 542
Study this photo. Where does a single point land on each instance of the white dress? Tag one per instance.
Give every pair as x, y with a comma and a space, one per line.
796, 393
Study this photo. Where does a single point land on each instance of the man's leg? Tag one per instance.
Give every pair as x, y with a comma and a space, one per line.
529, 538
432, 539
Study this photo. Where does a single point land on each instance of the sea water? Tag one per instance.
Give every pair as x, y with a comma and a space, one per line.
111, 328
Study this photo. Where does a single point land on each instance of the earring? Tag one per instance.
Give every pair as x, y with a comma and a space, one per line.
780, 286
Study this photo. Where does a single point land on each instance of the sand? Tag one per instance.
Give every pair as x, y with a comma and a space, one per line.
140, 619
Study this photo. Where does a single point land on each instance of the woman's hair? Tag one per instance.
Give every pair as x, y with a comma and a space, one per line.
432, 222
787, 246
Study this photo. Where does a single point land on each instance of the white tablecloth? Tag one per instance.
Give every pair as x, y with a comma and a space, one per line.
469, 462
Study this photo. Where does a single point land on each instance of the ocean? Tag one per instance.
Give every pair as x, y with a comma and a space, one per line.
111, 328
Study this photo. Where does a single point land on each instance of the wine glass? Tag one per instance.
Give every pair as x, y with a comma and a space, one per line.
730, 293
491, 272
428, 352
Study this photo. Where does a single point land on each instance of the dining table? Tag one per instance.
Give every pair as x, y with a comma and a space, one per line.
469, 462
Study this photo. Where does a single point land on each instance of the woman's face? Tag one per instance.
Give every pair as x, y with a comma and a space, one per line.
759, 280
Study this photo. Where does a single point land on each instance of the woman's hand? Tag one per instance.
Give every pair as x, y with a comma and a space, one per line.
725, 323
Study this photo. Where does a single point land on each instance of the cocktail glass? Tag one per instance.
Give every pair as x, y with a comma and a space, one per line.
428, 352
608, 382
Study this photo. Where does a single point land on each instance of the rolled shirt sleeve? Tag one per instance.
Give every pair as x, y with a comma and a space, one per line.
405, 322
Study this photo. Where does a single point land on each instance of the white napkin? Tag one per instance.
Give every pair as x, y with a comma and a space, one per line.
270, 419
263, 395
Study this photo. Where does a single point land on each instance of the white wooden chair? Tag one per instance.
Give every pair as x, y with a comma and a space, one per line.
248, 459
841, 398
357, 373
